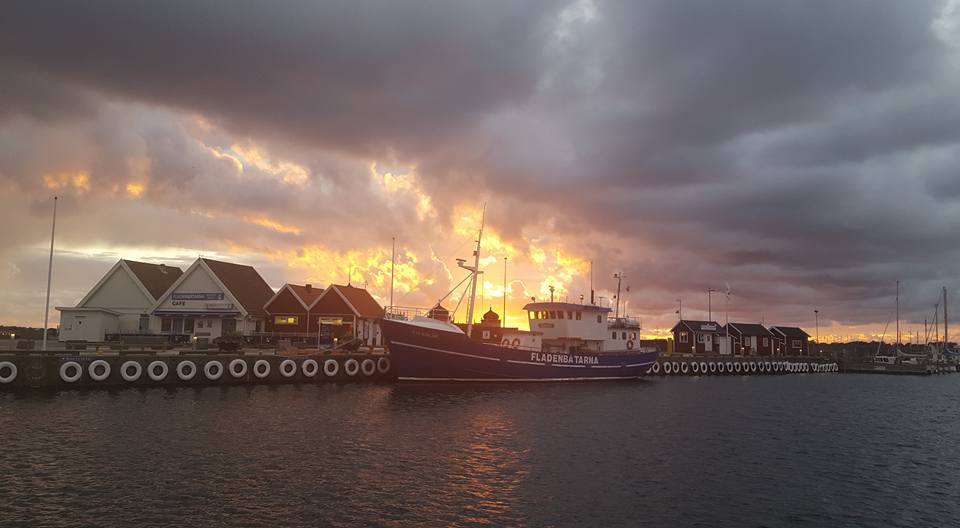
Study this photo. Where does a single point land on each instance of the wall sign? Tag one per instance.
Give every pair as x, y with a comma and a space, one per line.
218, 296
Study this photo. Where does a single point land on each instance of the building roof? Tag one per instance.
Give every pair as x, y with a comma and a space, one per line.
156, 278
244, 283
750, 329
307, 296
363, 304
698, 326
789, 331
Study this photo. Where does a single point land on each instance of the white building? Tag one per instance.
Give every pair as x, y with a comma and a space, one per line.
120, 303
210, 299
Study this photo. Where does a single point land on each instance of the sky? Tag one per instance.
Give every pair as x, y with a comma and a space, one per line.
803, 154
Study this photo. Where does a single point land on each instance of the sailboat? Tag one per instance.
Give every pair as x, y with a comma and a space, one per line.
567, 342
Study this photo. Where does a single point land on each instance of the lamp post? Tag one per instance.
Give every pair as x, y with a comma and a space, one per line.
816, 316
710, 304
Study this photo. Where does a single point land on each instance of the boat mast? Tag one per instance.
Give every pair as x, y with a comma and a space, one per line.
46, 308
474, 269
946, 341
393, 264
898, 313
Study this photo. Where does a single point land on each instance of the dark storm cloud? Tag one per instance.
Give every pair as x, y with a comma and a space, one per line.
805, 152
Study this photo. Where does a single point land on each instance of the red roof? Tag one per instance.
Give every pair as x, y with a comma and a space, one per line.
246, 285
156, 278
361, 300
306, 296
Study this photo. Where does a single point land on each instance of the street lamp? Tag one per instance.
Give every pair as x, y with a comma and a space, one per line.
816, 316
710, 304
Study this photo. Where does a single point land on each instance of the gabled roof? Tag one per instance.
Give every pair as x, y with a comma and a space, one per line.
698, 326
300, 293
156, 278
152, 279
246, 285
308, 297
789, 331
358, 299
750, 329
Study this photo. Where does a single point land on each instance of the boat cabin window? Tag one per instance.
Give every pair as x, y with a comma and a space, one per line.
598, 318
531, 315
578, 315
569, 314
614, 335
560, 314
623, 335
553, 314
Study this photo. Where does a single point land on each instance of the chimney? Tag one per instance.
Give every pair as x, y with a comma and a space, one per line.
309, 287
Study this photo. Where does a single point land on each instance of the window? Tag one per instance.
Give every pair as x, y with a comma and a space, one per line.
614, 335
570, 314
766, 341
700, 338
578, 315
486, 334
633, 335
188, 326
684, 337
598, 319
165, 324
531, 314
553, 314
560, 314
796, 343
286, 320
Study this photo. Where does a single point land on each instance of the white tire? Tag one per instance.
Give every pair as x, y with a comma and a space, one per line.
667, 368
213, 370
737, 367
261, 368
310, 367
237, 368
368, 367
383, 365
676, 367
13, 372
713, 368
655, 368
157, 370
331, 368
695, 368
127, 375
99, 370
351, 367
753, 367
684, 368
186, 370
703, 368
729, 367
288, 368
66, 374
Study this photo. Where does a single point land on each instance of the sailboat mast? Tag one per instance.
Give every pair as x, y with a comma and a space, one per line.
476, 269
898, 313
945, 328
46, 308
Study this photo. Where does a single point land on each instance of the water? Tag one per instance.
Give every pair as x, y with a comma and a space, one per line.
813, 450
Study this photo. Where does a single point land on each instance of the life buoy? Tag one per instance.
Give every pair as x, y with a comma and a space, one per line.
237, 368
655, 368
213, 370
65, 369
729, 367
667, 368
713, 368
288, 368
505, 342
186, 370
676, 367
99, 370
331, 368
383, 365
261, 368
351, 367
515, 343
703, 367
695, 367
630, 344
131, 376
368, 367
13, 371
684, 367
310, 367
753, 367
157, 370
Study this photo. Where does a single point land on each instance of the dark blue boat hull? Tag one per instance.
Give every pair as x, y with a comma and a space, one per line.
424, 354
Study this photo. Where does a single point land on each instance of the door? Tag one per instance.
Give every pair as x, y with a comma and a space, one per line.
228, 326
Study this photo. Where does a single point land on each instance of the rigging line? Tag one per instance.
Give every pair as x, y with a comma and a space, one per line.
453, 290
453, 314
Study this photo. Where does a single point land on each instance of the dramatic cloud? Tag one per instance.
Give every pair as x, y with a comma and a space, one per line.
805, 153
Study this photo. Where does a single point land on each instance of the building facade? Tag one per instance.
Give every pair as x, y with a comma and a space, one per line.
750, 339
698, 337
790, 341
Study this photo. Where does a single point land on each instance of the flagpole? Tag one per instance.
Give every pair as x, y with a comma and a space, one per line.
46, 308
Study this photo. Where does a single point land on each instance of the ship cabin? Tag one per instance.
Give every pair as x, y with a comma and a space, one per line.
569, 327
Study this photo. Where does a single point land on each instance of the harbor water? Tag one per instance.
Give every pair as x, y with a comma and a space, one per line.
805, 450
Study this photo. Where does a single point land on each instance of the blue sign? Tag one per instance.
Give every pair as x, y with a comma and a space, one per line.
197, 296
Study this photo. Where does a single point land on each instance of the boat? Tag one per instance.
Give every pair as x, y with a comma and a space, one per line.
566, 342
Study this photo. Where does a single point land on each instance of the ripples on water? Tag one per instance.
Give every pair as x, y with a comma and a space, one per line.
815, 450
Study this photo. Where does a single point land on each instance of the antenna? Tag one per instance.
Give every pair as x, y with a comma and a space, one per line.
473, 270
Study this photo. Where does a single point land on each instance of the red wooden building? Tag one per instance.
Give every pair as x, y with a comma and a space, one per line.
357, 310
790, 341
749, 339
290, 310
697, 337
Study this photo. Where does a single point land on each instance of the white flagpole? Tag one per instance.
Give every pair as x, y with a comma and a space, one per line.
46, 308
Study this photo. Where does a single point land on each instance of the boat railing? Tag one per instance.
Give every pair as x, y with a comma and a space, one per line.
625, 321
404, 313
